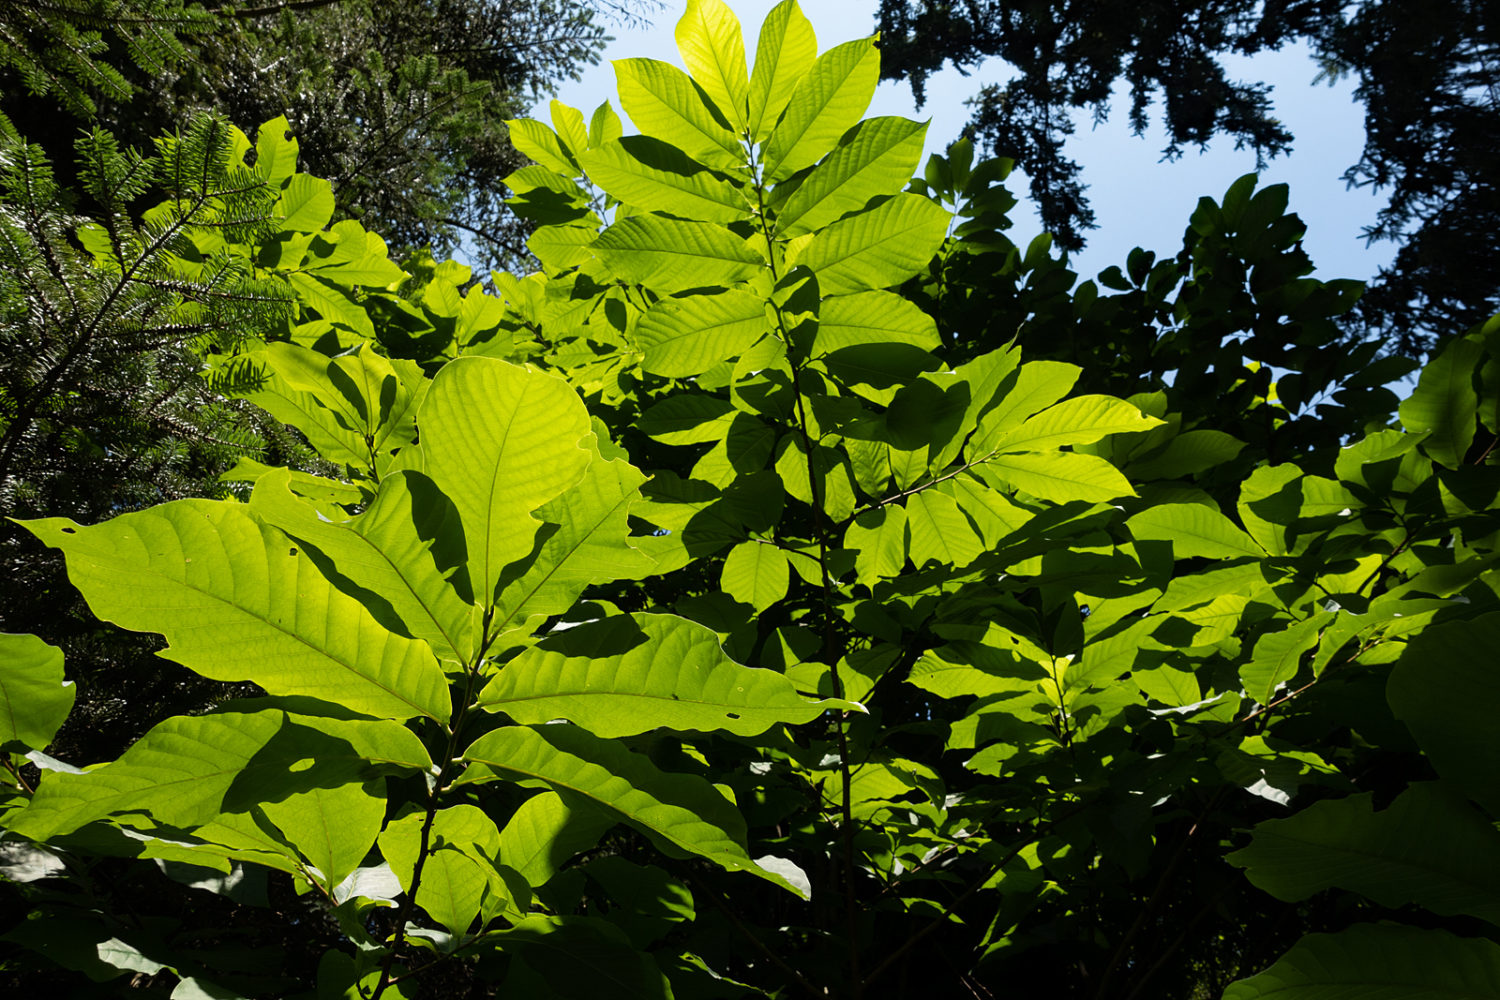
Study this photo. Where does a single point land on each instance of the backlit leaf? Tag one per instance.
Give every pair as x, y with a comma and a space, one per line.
879, 247
671, 255
826, 103
688, 336
785, 51
708, 36
663, 102
755, 573
34, 698
653, 176
876, 159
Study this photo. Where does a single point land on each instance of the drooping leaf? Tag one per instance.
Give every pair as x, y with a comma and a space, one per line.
237, 601
826, 103
681, 813
1195, 530
874, 160
878, 247
34, 698
1448, 697
708, 36
1444, 404
1429, 847
1379, 960
653, 176
500, 441
627, 675
688, 336
755, 573
785, 51
879, 539
306, 204
333, 828
664, 103
188, 769
671, 255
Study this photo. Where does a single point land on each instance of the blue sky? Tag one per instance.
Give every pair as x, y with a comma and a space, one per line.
1139, 199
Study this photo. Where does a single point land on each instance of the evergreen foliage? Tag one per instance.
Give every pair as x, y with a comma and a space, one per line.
726, 610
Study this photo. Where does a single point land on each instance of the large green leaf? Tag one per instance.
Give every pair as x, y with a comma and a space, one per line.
874, 160
188, 769
826, 103
540, 143
672, 255
1060, 476
460, 871
1379, 961
628, 675
878, 537
500, 440
238, 601
1444, 404
879, 247
873, 318
34, 698
1449, 697
546, 831
664, 103
1195, 530
333, 828
403, 547
755, 573
786, 50
587, 541
708, 36
654, 176
681, 813
1076, 421
688, 336
1030, 389
1278, 656
939, 531
306, 204
1428, 847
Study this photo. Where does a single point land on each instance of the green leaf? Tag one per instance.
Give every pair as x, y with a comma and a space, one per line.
333, 828
708, 36
568, 122
1444, 403
755, 573
671, 255
688, 336
331, 302
653, 176
188, 769
306, 204
873, 318
939, 531
786, 50
237, 601
879, 247
546, 831
500, 441
1195, 530
878, 537
1186, 454
663, 102
1030, 389
535, 140
826, 103
681, 813
1076, 421
604, 126
627, 675
34, 698
687, 418
1278, 656
460, 871
587, 542
1060, 476
275, 151
1379, 960
403, 547
874, 160
1428, 847
1449, 698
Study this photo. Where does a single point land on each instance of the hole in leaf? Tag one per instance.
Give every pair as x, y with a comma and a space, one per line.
733, 715
292, 551
70, 531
